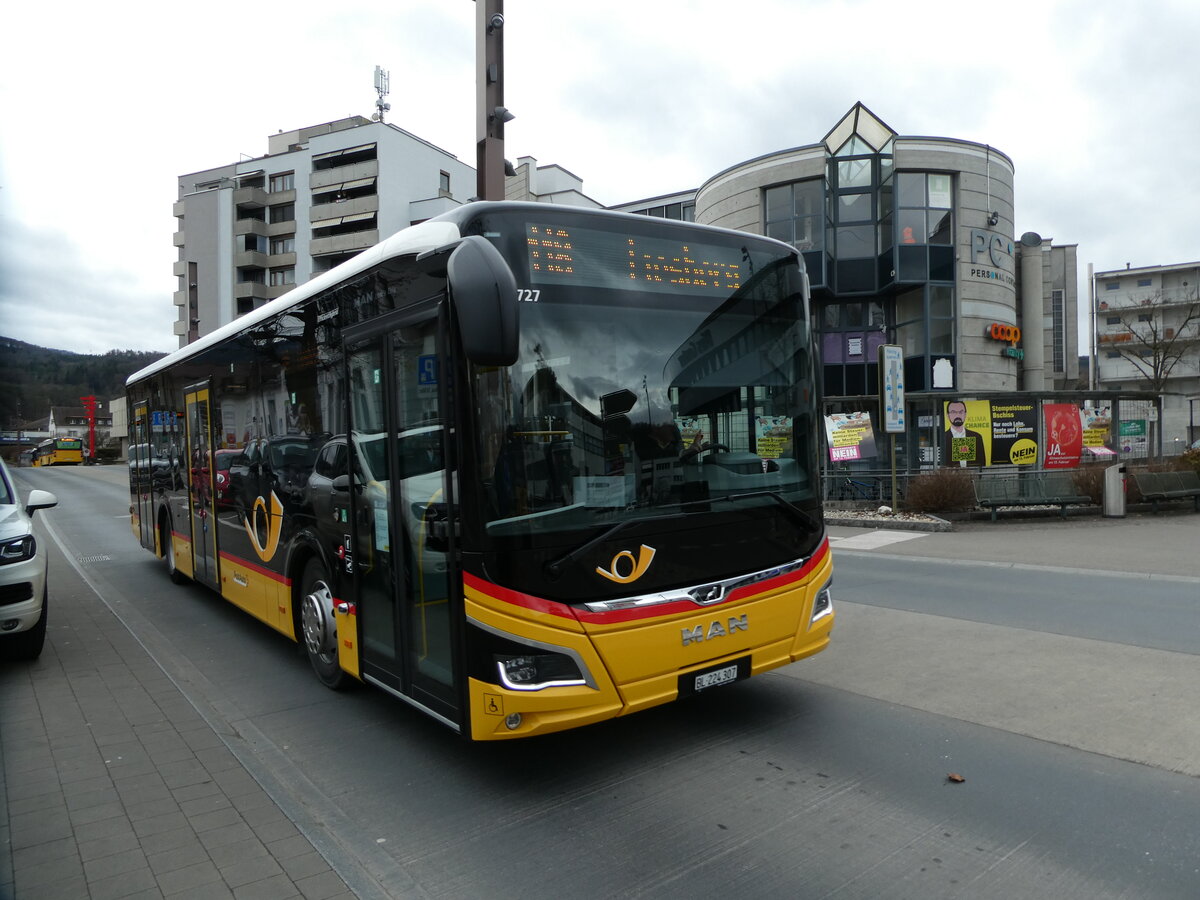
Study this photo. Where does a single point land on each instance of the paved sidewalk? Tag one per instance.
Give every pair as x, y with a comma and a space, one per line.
1166, 545
112, 785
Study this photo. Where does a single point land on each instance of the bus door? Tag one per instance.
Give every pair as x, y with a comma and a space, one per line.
139, 473
401, 558
201, 510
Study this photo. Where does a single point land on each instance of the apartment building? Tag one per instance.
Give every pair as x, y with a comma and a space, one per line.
251, 230
1148, 338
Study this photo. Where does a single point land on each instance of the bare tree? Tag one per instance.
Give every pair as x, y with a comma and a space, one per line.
1157, 335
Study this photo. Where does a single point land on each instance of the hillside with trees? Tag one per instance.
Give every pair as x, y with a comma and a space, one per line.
32, 379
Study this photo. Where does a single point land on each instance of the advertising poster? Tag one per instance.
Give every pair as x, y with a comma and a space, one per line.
1133, 436
691, 429
850, 436
1097, 425
773, 436
967, 434
1064, 435
1014, 434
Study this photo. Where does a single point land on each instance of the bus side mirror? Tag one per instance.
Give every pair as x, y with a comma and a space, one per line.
484, 293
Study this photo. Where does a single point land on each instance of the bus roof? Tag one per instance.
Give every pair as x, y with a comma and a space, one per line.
440, 231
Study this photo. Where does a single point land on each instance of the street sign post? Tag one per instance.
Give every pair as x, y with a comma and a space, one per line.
891, 399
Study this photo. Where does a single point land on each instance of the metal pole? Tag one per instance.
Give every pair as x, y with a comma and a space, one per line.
489, 131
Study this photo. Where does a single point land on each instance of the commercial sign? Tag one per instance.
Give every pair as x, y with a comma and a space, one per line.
991, 256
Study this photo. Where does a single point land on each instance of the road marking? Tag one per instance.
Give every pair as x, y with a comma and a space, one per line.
873, 540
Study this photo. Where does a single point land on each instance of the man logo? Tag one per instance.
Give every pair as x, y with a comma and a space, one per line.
637, 567
698, 634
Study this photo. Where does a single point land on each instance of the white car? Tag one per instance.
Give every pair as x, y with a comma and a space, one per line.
23, 565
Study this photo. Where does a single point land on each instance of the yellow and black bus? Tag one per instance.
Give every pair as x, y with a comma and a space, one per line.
525, 467
59, 452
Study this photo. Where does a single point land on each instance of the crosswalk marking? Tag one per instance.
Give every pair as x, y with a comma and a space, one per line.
873, 540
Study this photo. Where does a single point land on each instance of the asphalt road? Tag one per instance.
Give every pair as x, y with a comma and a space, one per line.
1065, 696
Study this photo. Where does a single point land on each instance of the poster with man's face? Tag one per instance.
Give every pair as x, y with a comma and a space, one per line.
967, 433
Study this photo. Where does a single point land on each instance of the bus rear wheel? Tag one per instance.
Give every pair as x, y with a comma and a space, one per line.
318, 627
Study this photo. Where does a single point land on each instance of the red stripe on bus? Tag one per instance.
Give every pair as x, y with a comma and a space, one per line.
552, 607
254, 567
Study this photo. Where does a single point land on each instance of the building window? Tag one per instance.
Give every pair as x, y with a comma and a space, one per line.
254, 243
444, 182
1112, 320
284, 181
795, 214
282, 276
282, 212
924, 227
685, 212
1145, 317
1059, 335
1112, 285
1143, 282
283, 244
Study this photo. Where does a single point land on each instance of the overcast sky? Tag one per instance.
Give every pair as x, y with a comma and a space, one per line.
103, 106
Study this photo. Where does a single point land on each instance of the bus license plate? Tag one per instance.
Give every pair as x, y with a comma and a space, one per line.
724, 673
719, 677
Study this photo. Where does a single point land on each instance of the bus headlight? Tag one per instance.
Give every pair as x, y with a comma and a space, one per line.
534, 671
823, 603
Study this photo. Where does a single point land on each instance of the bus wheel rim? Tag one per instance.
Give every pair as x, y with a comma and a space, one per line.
317, 620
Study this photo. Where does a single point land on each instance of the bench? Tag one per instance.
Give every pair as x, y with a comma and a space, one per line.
1159, 486
1029, 489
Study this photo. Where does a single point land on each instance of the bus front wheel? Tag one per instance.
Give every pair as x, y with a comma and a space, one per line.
319, 630
169, 552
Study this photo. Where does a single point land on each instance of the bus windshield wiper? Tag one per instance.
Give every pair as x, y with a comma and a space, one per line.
795, 512
554, 569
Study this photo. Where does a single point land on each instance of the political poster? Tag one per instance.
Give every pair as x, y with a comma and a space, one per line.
967, 435
773, 436
1014, 433
1064, 435
850, 436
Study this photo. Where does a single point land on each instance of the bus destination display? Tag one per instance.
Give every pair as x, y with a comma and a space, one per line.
586, 257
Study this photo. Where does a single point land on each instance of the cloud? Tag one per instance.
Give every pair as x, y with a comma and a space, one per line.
52, 297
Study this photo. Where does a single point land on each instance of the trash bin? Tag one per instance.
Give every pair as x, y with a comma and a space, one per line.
1114, 492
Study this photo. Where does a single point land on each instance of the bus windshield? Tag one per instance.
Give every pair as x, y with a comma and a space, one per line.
658, 376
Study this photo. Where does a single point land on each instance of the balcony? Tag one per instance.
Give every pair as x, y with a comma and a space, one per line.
251, 290
180, 298
252, 198
275, 260
250, 258
339, 174
177, 209
179, 327
250, 226
345, 208
178, 239
344, 243
180, 268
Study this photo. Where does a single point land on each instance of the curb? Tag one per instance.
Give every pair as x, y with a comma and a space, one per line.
930, 523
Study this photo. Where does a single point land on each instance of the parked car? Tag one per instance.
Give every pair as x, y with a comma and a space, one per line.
23, 570
222, 461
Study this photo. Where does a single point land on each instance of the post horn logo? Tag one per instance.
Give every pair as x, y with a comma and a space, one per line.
274, 525
636, 568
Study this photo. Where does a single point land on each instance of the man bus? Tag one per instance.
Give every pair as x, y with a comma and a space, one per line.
506, 465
